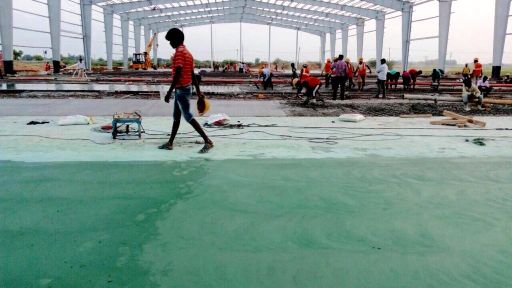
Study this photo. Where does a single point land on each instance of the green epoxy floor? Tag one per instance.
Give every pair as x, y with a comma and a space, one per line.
261, 223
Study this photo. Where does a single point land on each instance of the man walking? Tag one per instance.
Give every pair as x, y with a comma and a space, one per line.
184, 77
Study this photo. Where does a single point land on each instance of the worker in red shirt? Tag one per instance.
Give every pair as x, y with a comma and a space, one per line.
184, 77
478, 69
350, 74
414, 76
304, 74
312, 85
327, 71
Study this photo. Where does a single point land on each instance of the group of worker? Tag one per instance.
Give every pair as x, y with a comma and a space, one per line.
339, 74
475, 86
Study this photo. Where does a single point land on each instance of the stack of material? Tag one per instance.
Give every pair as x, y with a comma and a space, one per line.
458, 120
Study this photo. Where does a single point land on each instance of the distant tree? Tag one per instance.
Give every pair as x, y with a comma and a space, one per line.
38, 58
27, 57
257, 61
17, 54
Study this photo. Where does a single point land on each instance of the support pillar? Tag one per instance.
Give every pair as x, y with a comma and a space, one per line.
445, 11
344, 40
379, 29
108, 21
297, 48
269, 46
86, 15
125, 29
155, 50
211, 45
406, 33
6, 32
54, 16
360, 37
500, 33
333, 44
322, 50
241, 46
136, 36
147, 36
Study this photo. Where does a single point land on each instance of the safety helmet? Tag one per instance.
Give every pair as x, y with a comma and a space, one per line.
476, 59
347, 60
360, 58
203, 106
304, 65
328, 59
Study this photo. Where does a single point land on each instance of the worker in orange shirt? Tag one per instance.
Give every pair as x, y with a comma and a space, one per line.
350, 74
304, 74
327, 71
361, 73
477, 70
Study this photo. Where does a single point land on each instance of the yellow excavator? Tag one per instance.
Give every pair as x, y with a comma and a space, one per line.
143, 60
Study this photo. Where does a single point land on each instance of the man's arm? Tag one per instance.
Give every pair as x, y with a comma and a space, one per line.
195, 81
176, 77
368, 68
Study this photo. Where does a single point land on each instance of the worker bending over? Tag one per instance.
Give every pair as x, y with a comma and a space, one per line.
469, 93
183, 78
312, 85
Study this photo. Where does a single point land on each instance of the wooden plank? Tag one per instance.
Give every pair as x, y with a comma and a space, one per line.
415, 115
461, 117
448, 122
497, 101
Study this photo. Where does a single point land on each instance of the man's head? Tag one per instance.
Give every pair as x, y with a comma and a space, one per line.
175, 37
293, 65
360, 60
340, 57
485, 78
467, 82
383, 61
475, 60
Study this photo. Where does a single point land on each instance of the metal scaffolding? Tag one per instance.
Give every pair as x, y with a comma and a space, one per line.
317, 17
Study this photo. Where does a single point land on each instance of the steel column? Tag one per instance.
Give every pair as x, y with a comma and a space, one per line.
241, 51
269, 40
125, 29
500, 33
54, 16
108, 22
379, 29
136, 36
406, 33
6, 32
147, 36
297, 48
322, 50
211, 45
360, 37
344, 40
333, 43
86, 15
155, 50
445, 11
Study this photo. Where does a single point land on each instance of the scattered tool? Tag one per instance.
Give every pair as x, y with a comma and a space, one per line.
125, 119
457, 120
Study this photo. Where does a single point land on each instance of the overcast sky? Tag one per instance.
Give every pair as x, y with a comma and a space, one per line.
471, 35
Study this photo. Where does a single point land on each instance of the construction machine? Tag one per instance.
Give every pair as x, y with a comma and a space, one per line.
143, 60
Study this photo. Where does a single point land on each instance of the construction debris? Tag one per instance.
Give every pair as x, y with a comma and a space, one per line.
415, 115
457, 120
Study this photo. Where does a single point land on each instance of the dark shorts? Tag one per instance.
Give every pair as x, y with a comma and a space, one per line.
182, 103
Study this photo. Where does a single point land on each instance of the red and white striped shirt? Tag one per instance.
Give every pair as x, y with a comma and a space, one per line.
183, 58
